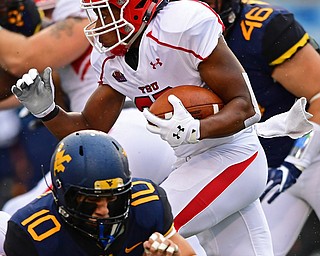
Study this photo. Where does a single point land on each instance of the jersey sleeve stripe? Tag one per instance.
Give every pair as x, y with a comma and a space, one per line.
174, 47
288, 54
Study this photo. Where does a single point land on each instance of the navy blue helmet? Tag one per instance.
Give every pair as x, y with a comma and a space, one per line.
88, 165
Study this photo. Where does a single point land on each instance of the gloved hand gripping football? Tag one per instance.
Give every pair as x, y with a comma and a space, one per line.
36, 93
180, 129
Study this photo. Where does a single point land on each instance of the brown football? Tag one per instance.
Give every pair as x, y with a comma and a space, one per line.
199, 101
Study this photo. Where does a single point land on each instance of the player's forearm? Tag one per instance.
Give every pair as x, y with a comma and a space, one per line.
57, 45
19, 53
65, 123
314, 110
14, 49
230, 120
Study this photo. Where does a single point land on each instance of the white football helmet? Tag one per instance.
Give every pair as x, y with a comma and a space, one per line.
134, 16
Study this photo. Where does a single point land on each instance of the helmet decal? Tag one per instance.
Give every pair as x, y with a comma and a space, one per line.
60, 159
108, 184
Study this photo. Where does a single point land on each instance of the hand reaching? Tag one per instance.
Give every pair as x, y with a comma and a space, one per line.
181, 128
35, 93
283, 177
157, 244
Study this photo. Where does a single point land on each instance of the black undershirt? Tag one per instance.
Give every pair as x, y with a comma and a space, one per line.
132, 58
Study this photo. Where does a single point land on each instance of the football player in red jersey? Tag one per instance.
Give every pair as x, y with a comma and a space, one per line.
221, 168
282, 62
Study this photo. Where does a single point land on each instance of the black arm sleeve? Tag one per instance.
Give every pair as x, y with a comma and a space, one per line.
17, 242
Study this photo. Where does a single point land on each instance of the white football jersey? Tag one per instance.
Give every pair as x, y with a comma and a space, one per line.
169, 55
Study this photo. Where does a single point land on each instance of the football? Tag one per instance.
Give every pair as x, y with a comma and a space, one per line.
200, 102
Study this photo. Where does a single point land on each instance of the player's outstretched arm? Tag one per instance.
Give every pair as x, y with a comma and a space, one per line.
300, 75
160, 245
56, 45
36, 93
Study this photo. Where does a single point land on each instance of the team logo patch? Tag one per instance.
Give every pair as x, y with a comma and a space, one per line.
119, 76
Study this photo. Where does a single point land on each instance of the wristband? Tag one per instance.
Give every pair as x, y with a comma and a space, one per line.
51, 115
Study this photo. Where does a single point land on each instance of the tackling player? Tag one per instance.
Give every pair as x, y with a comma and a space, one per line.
95, 207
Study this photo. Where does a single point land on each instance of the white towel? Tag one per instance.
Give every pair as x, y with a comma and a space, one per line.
293, 123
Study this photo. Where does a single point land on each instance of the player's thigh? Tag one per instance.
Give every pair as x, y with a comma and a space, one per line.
244, 233
202, 193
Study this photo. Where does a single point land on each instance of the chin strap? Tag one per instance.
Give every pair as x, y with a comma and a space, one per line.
116, 230
106, 241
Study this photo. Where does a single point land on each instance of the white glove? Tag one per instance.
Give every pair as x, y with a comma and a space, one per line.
35, 94
293, 123
181, 128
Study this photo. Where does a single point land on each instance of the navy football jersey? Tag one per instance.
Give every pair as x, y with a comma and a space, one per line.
38, 229
262, 37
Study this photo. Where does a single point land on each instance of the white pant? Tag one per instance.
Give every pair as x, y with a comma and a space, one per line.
216, 194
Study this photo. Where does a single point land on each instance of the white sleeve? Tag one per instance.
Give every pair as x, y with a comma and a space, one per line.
203, 38
68, 8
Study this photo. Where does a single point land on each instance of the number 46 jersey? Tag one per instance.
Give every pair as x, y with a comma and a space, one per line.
38, 229
262, 37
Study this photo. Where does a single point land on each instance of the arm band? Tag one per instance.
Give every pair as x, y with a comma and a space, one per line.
317, 96
257, 116
52, 114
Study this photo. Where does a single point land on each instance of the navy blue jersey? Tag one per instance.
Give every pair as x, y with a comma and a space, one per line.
38, 229
262, 37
